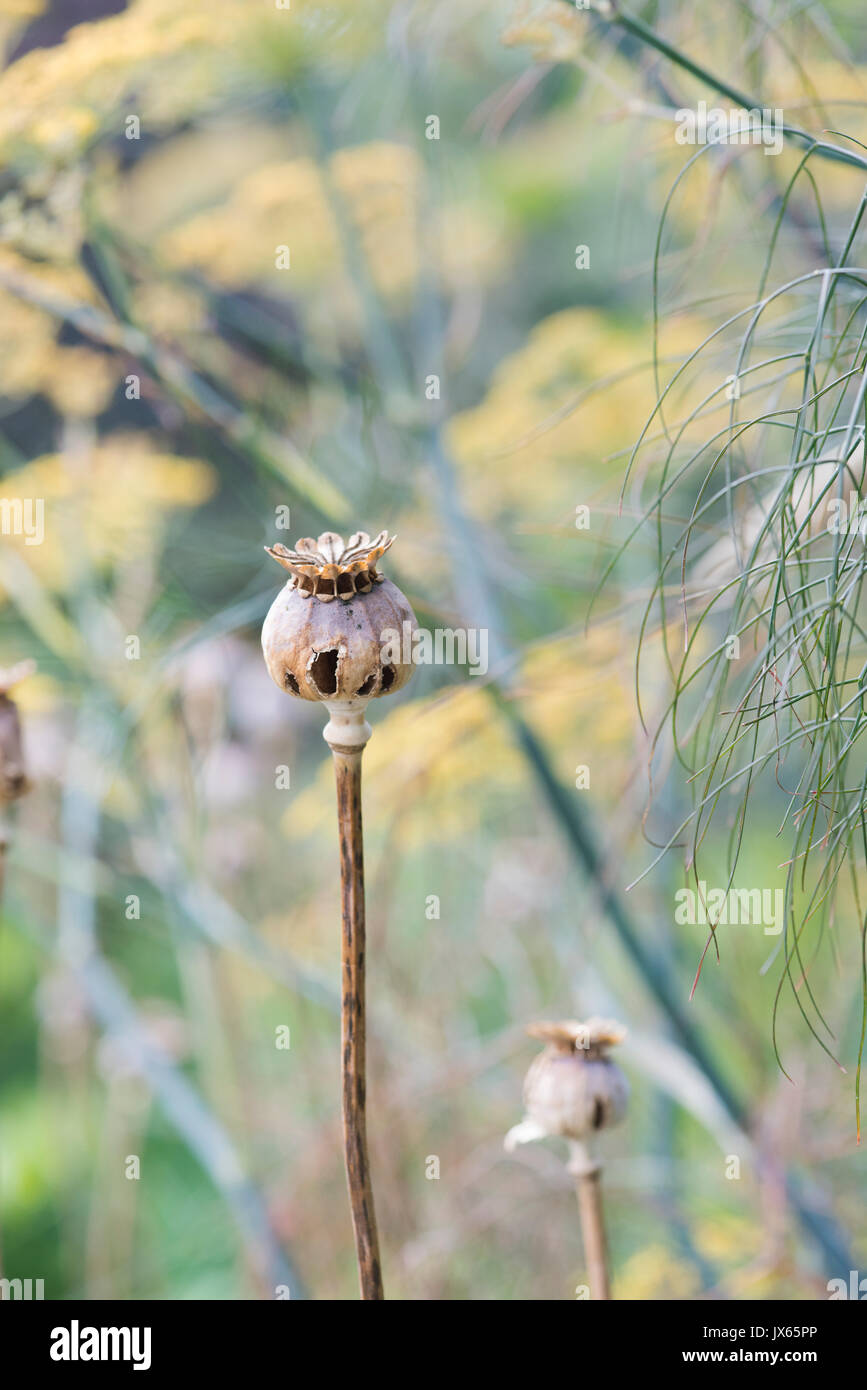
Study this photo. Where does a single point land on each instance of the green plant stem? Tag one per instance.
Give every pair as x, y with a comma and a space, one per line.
574, 823
631, 24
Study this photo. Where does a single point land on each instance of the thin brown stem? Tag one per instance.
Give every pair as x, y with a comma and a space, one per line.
593, 1230
588, 1184
347, 767
3, 848
13, 780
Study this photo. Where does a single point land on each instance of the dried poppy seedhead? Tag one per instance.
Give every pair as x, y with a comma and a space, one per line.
327, 569
339, 653
591, 1039
573, 1088
343, 655
13, 777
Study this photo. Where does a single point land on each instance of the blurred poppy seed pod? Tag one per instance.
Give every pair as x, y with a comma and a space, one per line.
573, 1088
323, 637
13, 776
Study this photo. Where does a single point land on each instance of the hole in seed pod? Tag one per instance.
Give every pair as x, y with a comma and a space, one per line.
290, 682
323, 671
598, 1113
345, 584
366, 688
387, 677
325, 588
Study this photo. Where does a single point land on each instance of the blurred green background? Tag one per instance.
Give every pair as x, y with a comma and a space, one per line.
238, 243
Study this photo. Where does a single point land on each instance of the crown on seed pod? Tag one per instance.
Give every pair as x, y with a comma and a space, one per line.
346, 652
572, 1088
327, 569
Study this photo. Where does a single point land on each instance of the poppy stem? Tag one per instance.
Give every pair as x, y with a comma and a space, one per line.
346, 734
588, 1182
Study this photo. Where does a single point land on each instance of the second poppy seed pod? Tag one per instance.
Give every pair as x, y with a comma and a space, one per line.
327, 634
13, 775
573, 1088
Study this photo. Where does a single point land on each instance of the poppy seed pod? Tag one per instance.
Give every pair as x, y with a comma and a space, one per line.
333, 635
13, 776
573, 1088
571, 1091
324, 636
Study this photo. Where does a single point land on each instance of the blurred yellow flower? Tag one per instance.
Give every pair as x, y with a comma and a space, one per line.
81, 381
27, 347
471, 245
78, 379
167, 310
728, 1238
578, 391
104, 507
655, 1273
554, 32
22, 9
54, 99
289, 205
519, 447
417, 762
432, 763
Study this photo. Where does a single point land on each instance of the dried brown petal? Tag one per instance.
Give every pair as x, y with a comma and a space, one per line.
569, 1035
335, 571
